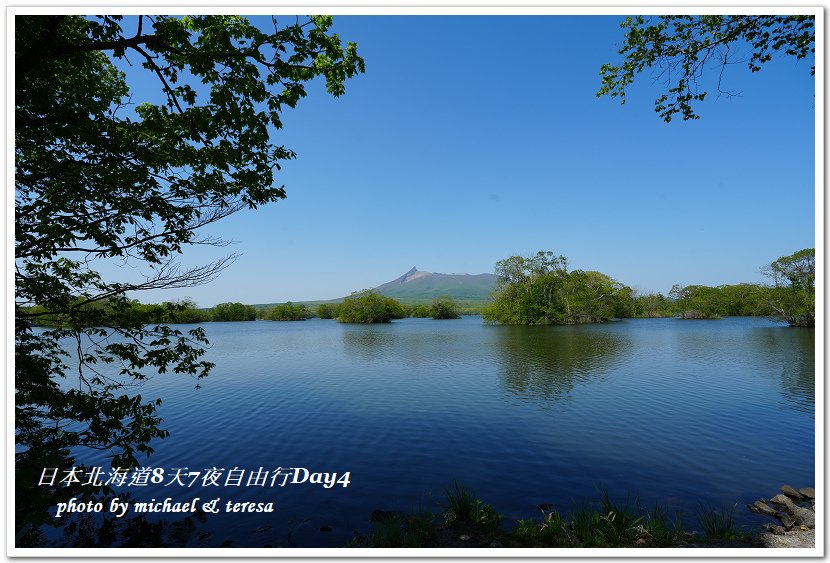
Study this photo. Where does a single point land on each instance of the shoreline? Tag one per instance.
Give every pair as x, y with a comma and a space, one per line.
468, 522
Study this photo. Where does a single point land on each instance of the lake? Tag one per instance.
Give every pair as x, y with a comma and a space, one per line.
685, 413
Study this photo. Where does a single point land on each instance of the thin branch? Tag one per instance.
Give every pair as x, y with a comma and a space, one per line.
170, 93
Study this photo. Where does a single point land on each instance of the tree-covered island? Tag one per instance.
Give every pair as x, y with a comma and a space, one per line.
368, 306
539, 290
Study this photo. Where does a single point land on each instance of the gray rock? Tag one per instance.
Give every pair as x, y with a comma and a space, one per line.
781, 499
790, 539
786, 520
804, 517
496, 543
800, 515
808, 492
760, 507
777, 530
792, 493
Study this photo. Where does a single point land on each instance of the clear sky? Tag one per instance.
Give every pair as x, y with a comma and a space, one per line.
471, 139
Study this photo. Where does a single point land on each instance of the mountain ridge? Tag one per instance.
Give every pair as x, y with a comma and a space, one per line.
418, 286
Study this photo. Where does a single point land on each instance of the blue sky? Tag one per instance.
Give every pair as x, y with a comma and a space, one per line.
471, 139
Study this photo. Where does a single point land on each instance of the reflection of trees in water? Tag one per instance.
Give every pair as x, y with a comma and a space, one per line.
790, 352
548, 362
369, 342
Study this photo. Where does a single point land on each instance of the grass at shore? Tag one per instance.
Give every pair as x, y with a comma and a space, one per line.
467, 521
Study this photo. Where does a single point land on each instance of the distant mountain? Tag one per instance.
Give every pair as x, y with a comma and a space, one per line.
416, 286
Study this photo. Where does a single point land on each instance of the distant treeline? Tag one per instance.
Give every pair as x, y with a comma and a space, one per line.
133, 312
701, 301
367, 306
535, 290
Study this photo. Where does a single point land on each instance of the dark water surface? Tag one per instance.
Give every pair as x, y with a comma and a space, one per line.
680, 412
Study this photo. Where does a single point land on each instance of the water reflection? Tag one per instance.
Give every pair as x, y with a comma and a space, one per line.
790, 353
548, 362
368, 342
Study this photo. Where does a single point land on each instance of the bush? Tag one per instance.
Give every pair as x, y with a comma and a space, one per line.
420, 311
288, 312
233, 312
326, 311
186, 312
444, 308
369, 306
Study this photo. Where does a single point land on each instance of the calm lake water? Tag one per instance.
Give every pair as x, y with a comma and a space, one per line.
685, 413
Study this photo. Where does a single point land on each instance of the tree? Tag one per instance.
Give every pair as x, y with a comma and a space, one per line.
289, 312
369, 306
539, 290
420, 311
327, 311
189, 313
743, 299
697, 301
652, 305
793, 298
233, 312
444, 308
102, 176
681, 47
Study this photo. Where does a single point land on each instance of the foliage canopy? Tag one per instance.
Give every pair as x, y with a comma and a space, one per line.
288, 312
539, 290
794, 294
444, 308
681, 47
328, 310
233, 312
369, 306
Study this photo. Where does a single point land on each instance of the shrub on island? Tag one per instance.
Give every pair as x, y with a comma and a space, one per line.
288, 312
328, 311
420, 311
444, 308
233, 312
369, 306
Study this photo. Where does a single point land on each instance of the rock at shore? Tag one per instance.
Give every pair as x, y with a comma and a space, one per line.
761, 507
797, 518
792, 493
794, 538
